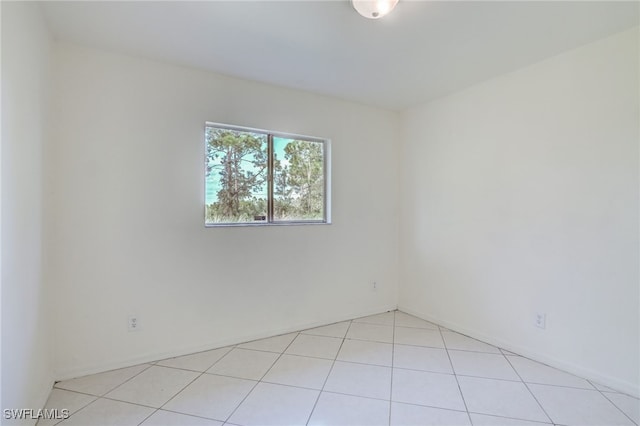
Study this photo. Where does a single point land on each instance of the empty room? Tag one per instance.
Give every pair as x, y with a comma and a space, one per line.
341, 212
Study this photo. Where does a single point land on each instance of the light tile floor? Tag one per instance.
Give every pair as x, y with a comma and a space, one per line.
387, 369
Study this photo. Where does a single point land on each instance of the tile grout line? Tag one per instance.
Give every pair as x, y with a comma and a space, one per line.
354, 395
414, 404
188, 415
456, 377
376, 323
130, 403
393, 350
75, 391
188, 384
98, 397
71, 414
263, 376
611, 390
76, 412
453, 349
312, 389
528, 388
555, 386
329, 374
614, 404
515, 418
126, 381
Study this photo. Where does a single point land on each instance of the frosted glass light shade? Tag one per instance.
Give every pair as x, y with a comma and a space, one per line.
374, 9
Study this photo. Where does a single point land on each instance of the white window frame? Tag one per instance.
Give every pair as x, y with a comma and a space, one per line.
270, 198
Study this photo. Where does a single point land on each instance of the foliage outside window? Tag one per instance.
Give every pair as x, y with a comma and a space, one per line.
259, 177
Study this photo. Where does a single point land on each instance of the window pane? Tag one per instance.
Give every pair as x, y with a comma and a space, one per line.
236, 184
298, 186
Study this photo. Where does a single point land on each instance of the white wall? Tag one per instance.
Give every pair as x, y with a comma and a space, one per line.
521, 195
128, 236
26, 369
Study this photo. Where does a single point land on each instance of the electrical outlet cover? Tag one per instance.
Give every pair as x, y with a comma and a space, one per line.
540, 320
133, 323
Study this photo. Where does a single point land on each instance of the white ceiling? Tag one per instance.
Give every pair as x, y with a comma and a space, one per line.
419, 52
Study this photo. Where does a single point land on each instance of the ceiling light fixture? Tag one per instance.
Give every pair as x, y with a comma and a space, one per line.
374, 9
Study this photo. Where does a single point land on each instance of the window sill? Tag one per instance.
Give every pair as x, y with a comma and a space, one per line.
235, 225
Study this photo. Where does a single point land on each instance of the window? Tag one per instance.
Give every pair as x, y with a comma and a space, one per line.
260, 177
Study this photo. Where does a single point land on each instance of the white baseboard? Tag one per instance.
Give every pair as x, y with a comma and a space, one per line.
592, 375
66, 374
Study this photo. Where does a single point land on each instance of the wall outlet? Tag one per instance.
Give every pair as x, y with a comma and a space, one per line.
374, 286
540, 320
133, 323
